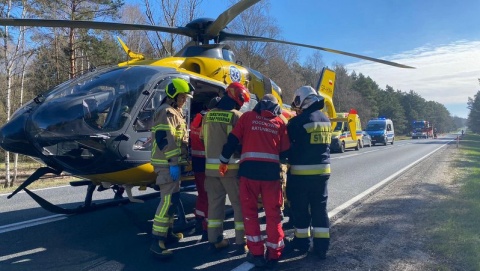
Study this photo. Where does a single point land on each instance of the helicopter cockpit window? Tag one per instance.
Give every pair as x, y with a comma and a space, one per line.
144, 119
106, 96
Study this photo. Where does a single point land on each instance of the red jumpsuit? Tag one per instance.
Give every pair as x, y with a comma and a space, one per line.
198, 164
263, 136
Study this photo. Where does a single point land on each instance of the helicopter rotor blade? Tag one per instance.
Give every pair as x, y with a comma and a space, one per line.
240, 37
95, 25
227, 16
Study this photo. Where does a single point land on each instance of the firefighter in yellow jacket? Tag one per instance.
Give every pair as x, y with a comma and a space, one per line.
169, 152
217, 123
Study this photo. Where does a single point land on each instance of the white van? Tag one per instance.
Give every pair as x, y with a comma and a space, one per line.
381, 130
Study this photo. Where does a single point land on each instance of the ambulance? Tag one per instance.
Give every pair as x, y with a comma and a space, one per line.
342, 136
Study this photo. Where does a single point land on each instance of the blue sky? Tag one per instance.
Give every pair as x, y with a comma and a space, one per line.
440, 38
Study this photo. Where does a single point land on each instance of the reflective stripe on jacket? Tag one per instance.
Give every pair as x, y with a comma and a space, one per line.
216, 126
263, 137
310, 135
173, 148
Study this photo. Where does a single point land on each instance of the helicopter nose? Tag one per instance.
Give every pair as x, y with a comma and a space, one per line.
13, 137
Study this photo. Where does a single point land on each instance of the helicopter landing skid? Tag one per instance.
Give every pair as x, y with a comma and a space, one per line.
180, 225
88, 205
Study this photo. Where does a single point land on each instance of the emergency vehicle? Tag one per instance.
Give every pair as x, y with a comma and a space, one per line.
421, 129
341, 134
381, 130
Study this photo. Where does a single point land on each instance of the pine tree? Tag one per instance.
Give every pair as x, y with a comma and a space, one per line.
474, 115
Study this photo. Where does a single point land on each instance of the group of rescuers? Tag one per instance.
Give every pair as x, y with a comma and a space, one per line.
241, 155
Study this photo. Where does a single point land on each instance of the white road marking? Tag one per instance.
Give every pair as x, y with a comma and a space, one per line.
373, 188
40, 189
23, 253
31, 223
244, 267
248, 266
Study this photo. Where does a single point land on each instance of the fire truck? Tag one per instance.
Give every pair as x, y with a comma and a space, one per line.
421, 129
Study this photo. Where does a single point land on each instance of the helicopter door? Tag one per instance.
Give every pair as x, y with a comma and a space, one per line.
144, 120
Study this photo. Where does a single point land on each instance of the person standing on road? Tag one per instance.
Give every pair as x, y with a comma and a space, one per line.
309, 158
198, 166
263, 136
169, 152
217, 123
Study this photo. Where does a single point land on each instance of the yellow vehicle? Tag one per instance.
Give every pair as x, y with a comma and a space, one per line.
97, 126
342, 137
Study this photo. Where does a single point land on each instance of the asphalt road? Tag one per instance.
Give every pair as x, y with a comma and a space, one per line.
118, 238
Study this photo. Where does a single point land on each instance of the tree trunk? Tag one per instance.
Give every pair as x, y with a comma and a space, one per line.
15, 169
7, 170
71, 42
9, 91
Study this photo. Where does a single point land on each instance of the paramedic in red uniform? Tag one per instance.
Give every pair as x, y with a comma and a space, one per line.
263, 136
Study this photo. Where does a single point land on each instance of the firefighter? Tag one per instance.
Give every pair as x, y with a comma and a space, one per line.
217, 123
169, 152
198, 166
309, 159
263, 136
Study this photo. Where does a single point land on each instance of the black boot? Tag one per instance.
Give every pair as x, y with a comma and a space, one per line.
159, 249
204, 237
173, 237
177, 204
199, 225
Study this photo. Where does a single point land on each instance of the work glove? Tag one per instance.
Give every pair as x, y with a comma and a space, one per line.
223, 169
175, 172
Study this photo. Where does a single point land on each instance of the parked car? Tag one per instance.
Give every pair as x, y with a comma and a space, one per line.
366, 139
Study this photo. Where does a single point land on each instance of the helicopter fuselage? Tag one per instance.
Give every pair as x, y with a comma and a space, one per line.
97, 126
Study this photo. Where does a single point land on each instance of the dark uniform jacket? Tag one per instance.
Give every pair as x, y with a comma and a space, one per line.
310, 136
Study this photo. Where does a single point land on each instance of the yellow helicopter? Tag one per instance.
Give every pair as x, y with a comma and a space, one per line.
97, 126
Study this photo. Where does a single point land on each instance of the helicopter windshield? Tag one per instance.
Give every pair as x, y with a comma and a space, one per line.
106, 96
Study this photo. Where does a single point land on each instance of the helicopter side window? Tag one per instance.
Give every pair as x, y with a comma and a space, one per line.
90, 113
144, 119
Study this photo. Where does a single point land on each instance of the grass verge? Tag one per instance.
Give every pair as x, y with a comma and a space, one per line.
456, 231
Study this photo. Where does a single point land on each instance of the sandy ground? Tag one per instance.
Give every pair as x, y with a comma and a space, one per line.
386, 231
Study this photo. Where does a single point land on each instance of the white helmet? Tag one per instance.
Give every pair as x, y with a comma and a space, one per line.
305, 96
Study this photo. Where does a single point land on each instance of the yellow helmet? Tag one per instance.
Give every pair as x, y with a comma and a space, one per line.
177, 86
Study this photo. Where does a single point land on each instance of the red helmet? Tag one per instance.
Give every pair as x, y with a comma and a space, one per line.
239, 93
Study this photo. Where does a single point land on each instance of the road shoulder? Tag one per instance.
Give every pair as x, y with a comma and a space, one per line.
389, 229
